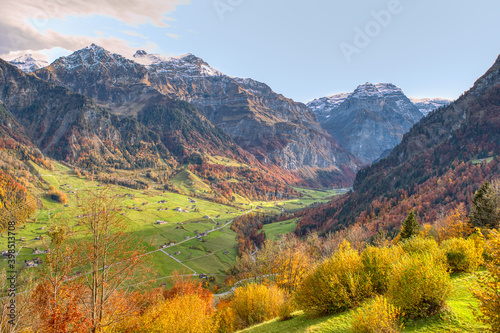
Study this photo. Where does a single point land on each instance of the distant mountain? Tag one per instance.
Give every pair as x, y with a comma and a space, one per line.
28, 64
324, 106
439, 164
427, 105
369, 121
277, 130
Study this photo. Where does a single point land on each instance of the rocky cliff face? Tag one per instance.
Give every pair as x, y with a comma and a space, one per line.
370, 121
273, 128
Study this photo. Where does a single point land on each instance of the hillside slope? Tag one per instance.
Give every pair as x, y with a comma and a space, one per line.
72, 128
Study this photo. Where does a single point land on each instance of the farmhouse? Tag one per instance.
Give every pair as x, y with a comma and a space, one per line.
37, 251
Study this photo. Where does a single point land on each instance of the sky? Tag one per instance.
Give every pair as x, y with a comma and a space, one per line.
301, 49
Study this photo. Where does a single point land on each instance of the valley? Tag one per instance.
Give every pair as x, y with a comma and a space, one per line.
146, 192
168, 225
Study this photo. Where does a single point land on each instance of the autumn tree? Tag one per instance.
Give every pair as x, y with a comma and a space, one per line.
109, 258
24, 306
59, 307
286, 262
454, 225
410, 226
16, 203
487, 290
485, 212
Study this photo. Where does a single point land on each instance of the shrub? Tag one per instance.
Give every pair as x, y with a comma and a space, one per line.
286, 309
419, 285
57, 196
462, 255
378, 263
226, 317
181, 314
378, 316
337, 284
255, 303
420, 246
487, 291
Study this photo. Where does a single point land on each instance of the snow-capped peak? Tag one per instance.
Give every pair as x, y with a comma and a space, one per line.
90, 56
379, 90
427, 105
183, 65
28, 64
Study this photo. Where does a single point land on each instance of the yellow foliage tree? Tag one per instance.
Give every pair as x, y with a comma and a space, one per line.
182, 314
256, 303
16, 203
454, 225
487, 290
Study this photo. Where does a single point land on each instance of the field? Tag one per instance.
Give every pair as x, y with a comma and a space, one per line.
457, 318
184, 218
274, 230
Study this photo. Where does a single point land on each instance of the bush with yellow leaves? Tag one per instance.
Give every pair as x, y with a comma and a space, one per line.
255, 303
182, 314
378, 265
462, 255
487, 290
419, 285
339, 283
377, 316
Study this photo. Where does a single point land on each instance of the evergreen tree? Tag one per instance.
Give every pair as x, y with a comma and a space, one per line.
410, 226
485, 212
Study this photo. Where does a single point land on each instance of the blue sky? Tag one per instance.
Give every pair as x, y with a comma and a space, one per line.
301, 49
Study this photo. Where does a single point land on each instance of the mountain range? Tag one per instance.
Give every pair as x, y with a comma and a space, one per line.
274, 129
180, 107
439, 164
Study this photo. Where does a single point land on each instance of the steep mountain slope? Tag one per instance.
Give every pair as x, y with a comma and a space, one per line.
276, 130
436, 166
122, 86
11, 131
370, 121
427, 105
28, 64
71, 127
270, 126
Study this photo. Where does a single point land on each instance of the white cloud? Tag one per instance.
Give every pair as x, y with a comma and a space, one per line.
173, 36
23, 22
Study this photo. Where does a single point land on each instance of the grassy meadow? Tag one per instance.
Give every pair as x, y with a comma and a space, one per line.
185, 217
